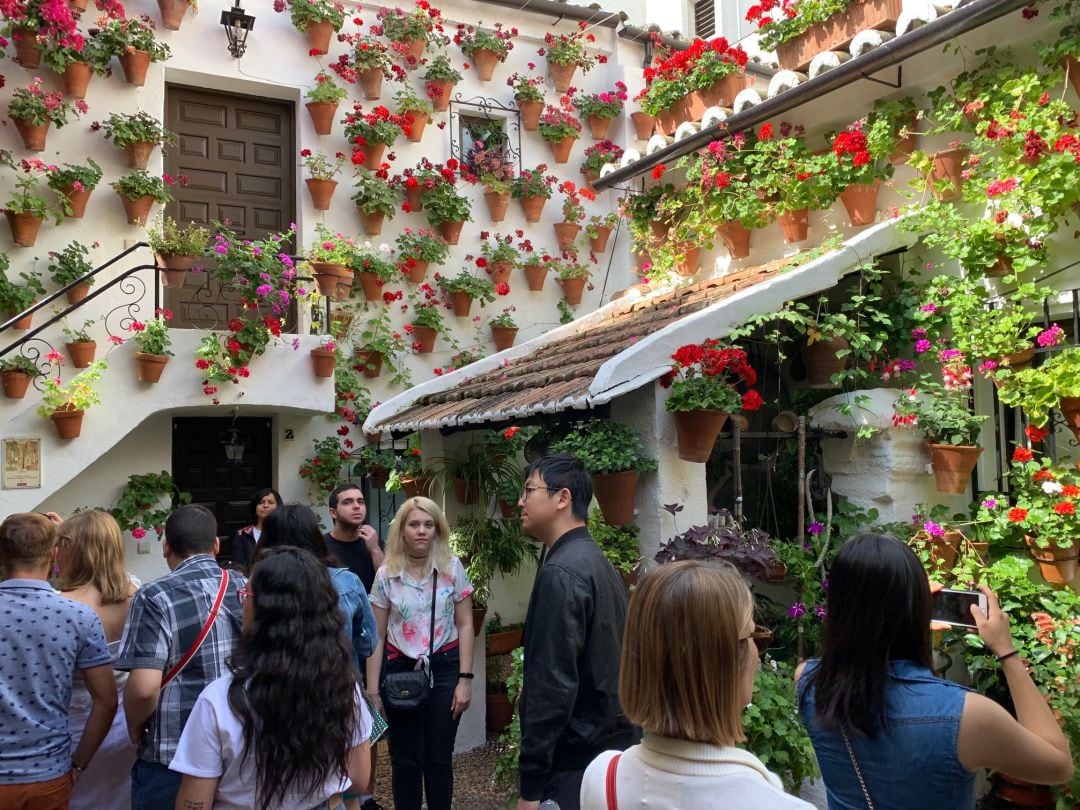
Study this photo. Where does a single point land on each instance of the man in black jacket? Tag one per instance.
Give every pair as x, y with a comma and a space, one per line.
573, 638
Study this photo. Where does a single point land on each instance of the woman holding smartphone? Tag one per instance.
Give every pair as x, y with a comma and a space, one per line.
886, 730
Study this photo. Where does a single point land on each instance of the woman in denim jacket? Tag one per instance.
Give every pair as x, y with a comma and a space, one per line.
886, 730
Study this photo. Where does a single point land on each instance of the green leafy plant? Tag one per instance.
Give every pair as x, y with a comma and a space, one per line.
138, 506
421, 245
497, 40
322, 470
774, 732
78, 395
408, 101
70, 264
443, 203
707, 376
606, 104
373, 194
35, 105
20, 364
326, 90
152, 336
780, 27
534, 183
557, 123
140, 183
619, 543
439, 69
525, 87
139, 127
481, 290
118, 34
26, 196
605, 446
1039, 390
59, 55
79, 334
75, 176
170, 236
16, 298
490, 546
330, 246
505, 319
304, 12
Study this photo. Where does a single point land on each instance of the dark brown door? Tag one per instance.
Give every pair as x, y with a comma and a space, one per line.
200, 465
239, 157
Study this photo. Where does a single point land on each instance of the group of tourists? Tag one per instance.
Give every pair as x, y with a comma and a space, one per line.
268, 683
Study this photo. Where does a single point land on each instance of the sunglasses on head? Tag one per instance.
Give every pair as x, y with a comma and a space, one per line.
762, 637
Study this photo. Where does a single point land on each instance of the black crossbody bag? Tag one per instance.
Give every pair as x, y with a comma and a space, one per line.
409, 691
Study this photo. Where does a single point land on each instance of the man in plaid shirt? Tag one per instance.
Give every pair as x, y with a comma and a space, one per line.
164, 622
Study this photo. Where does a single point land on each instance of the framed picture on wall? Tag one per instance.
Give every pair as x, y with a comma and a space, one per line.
22, 463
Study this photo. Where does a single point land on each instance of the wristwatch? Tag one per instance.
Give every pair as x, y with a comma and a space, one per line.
467, 675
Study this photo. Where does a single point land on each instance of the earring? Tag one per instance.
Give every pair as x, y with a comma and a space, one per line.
56, 568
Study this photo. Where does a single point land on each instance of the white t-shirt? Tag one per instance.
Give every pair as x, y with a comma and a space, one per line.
212, 746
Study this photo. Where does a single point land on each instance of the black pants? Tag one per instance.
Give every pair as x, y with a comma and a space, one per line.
564, 788
422, 742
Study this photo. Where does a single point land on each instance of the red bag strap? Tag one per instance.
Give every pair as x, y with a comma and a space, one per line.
183, 662
613, 766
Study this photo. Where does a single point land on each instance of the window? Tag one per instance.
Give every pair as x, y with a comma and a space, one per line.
484, 140
733, 23
705, 18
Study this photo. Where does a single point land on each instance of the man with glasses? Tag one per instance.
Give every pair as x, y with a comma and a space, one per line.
573, 639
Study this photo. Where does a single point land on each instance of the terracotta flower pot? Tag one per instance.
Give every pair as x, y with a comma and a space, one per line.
414, 197
1056, 564
1017, 361
79, 5
503, 643
372, 222
599, 243
466, 492
860, 200
948, 165
562, 75
1070, 410
172, 13
138, 153
566, 233
907, 144
150, 367
24, 228
426, 336
77, 200
418, 487
372, 286
78, 292
821, 363
318, 35
794, 224
33, 135
497, 204
135, 64
836, 32
331, 278
590, 178
478, 614
20, 325
1072, 70
27, 49
322, 361
370, 362
535, 276
499, 711
373, 154
690, 262
322, 115
485, 60
461, 303
643, 125
503, 336
418, 272
81, 353
77, 77
377, 476
560, 150
533, 207
176, 268
68, 423
137, 210
321, 191
420, 120
1017, 793
371, 83
615, 493
736, 238
953, 465
451, 231
499, 272
696, 433
598, 127
15, 384
530, 114
439, 93
415, 49
573, 289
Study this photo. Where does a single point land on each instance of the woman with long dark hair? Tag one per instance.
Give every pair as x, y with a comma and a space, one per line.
887, 732
243, 543
288, 728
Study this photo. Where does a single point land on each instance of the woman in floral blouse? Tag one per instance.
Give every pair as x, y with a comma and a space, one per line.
418, 559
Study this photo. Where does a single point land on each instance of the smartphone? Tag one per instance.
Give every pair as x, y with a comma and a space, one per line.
954, 607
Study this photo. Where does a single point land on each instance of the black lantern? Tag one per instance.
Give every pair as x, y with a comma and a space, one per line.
234, 442
237, 26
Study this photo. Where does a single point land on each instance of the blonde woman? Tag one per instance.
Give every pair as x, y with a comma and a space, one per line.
90, 557
418, 565
688, 661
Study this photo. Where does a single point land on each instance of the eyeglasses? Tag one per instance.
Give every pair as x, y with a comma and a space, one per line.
243, 594
762, 637
527, 490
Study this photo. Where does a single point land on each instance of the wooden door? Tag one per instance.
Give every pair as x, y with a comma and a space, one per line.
238, 155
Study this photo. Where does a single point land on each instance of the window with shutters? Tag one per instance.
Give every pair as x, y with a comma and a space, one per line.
705, 18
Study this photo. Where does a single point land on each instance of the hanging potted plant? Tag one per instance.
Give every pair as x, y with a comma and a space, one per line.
427, 320
132, 40
704, 384
485, 47
33, 109
536, 267
596, 157
417, 250
178, 249
565, 53
320, 183
447, 210
498, 256
598, 231
73, 183
323, 357
77, 65
66, 404
573, 214
572, 274
497, 175
368, 65
15, 299
318, 19
323, 100
410, 31
138, 191
17, 373
380, 343
1053, 385
789, 178
463, 289
80, 346
329, 257
612, 453
26, 209
417, 111
902, 116
1047, 495
137, 134
372, 132
373, 268
560, 129
173, 11
152, 342
532, 188
440, 79
856, 166
529, 95
375, 200
600, 109
503, 328
72, 266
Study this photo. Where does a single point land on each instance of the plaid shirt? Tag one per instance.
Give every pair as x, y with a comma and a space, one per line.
163, 623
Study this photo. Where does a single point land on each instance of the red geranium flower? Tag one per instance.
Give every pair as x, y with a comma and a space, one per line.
1022, 454
1017, 515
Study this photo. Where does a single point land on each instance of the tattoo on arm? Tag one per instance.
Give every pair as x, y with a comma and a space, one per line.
193, 805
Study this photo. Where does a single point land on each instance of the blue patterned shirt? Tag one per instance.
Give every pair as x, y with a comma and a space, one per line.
46, 637
164, 620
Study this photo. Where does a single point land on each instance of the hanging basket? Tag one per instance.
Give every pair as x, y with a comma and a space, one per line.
318, 36
690, 262
466, 492
696, 433
78, 292
439, 93
478, 614
334, 280
321, 191
417, 272
953, 465
820, 361
68, 422
373, 154
27, 48
860, 200
378, 476
415, 49
372, 286
21, 325
150, 367
176, 267
1070, 409
420, 120
1056, 564
497, 203
503, 336
566, 233
451, 231
530, 114
135, 64
598, 243
499, 272
947, 165
643, 125
461, 303
24, 228
322, 361
615, 493
322, 115
15, 383
485, 60
598, 127
418, 486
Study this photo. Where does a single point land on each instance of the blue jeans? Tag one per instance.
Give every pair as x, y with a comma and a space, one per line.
153, 786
